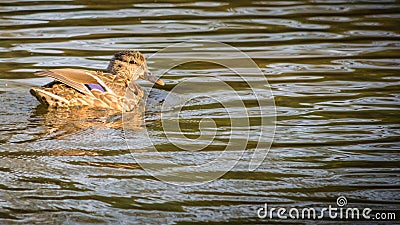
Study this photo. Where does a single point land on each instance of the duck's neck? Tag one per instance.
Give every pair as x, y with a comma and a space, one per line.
118, 69
114, 67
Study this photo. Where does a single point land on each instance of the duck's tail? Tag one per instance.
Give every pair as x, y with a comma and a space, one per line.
48, 98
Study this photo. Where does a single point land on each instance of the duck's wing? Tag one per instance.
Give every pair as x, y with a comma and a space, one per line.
81, 80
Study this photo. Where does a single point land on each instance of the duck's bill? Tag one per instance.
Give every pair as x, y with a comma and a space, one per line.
150, 77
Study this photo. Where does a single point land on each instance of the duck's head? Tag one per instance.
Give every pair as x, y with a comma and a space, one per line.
132, 65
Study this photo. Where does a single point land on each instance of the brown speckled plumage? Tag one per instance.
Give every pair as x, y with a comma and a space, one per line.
72, 86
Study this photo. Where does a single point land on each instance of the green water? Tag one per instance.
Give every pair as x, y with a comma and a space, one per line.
332, 67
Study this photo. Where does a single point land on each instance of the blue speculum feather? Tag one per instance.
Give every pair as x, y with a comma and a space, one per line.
95, 86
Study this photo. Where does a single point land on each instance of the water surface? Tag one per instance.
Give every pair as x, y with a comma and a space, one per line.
332, 66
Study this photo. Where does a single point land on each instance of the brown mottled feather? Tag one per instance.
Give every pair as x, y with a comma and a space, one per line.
72, 77
69, 87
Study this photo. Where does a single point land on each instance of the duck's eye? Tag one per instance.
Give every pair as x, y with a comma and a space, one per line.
132, 62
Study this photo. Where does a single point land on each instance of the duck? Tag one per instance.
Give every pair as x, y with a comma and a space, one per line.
115, 88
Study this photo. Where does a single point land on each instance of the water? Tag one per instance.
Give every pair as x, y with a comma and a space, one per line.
332, 67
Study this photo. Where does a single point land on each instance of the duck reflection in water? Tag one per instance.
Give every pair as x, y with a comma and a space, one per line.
63, 121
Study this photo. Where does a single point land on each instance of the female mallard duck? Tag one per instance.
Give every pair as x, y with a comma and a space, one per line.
96, 89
